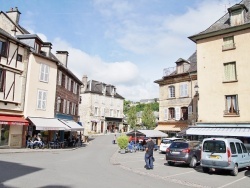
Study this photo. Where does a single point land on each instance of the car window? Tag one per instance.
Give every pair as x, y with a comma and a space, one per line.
214, 146
179, 145
244, 148
238, 147
232, 147
166, 141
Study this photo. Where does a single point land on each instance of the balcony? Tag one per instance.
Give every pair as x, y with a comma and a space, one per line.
183, 68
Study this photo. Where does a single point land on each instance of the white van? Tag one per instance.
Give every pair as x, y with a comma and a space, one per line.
224, 153
166, 142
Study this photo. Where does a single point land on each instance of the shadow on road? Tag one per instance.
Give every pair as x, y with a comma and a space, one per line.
13, 170
247, 173
55, 186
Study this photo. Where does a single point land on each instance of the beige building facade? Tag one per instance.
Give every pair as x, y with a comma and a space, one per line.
177, 101
101, 108
223, 64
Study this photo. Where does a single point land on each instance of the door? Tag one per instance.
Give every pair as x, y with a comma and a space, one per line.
240, 158
246, 157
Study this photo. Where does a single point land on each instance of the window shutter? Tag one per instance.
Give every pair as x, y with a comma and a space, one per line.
181, 90
190, 110
44, 100
177, 113
66, 81
165, 114
39, 100
59, 78
186, 90
42, 72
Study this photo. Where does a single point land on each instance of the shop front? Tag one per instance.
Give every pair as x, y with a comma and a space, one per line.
114, 124
13, 130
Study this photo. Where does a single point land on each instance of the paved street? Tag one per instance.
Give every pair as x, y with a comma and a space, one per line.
100, 165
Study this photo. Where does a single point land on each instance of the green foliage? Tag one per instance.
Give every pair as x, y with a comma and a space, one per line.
6, 134
132, 118
122, 141
148, 118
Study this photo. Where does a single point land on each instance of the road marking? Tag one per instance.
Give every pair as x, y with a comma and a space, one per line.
180, 174
234, 182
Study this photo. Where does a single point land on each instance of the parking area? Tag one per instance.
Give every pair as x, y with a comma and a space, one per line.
180, 174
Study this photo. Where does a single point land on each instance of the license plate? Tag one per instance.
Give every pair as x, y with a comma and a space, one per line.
175, 152
214, 157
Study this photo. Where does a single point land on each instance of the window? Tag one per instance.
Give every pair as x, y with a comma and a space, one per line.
41, 100
184, 90
96, 111
118, 113
68, 107
102, 111
2, 79
230, 71
244, 148
58, 104
66, 82
111, 113
64, 105
238, 147
184, 113
231, 105
44, 73
59, 81
171, 114
19, 57
73, 109
228, 43
3, 48
233, 148
69, 84
237, 17
75, 88
171, 91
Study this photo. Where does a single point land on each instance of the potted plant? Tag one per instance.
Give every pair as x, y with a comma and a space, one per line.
122, 142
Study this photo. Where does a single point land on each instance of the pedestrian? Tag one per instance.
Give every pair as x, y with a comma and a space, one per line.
149, 154
114, 141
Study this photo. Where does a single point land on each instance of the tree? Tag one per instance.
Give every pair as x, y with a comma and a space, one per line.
148, 118
132, 118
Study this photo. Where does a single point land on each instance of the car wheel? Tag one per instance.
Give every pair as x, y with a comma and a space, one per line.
235, 171
193, 162
205, 169
170, 163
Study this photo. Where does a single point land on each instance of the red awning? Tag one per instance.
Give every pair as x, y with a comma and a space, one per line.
13, 120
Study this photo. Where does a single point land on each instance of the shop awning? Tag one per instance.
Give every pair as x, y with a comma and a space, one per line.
147, 133
167, 128
13, 120
73, 126
219, 131
48, 124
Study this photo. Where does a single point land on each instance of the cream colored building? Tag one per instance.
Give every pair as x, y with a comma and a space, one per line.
223, 79
177, 101
101, 108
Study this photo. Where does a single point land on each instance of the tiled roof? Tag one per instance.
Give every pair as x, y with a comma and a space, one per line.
224, 21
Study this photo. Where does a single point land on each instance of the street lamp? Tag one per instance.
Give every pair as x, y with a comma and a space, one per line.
196, 89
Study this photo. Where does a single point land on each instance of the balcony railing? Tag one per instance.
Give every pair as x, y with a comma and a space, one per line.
227, 112
228, 46
176, 70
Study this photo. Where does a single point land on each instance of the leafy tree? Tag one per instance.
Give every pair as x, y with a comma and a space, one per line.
148, 118
126, 106
132, 118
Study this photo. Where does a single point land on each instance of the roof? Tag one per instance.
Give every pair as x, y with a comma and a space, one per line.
94, 86
224, 22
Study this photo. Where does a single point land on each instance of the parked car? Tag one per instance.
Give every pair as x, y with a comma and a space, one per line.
224, 153
186, 152
166, 142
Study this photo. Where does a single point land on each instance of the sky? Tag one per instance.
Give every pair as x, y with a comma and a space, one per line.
126, 43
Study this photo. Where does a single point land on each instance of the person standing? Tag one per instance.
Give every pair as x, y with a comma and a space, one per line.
149, 154
114, 141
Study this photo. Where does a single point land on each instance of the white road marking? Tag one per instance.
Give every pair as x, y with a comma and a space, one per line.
180, 174
234, 182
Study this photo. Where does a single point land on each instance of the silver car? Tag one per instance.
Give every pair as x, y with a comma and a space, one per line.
224, 153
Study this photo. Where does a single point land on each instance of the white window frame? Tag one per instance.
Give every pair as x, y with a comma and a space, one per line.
96, 111
41, 99
64, 105
44, 73
230, 71
73, 108
171, 91
69, 84
58, 104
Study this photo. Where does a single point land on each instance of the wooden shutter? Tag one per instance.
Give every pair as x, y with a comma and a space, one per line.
177, 113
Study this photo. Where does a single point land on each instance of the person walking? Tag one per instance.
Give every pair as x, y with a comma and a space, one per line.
149, 154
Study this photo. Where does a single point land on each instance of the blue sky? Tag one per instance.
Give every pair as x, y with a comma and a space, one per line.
126, 43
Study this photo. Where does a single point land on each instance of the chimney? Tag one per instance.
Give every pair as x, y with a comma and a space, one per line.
62, 56
14, 15
46, 47
84, 83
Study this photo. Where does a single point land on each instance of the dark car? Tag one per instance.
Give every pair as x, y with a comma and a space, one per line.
187, 152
